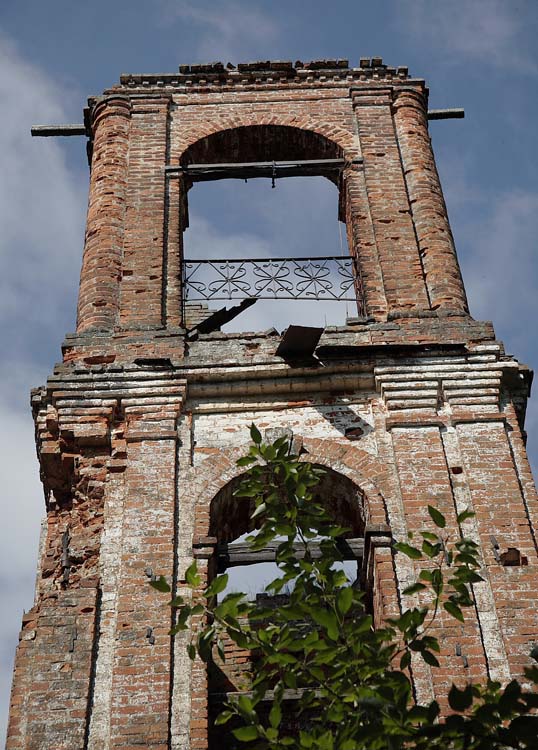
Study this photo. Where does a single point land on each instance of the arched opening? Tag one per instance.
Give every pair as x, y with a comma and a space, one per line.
230, 519
262, 143
245, 240
230, 516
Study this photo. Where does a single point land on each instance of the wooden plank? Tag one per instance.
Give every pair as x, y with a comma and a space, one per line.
240, 553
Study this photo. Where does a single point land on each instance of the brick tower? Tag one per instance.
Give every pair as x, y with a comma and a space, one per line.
138, 429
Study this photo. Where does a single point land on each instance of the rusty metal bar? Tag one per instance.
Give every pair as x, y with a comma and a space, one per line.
249, 170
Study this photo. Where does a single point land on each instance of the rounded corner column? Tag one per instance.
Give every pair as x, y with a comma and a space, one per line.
428, 209
98, 303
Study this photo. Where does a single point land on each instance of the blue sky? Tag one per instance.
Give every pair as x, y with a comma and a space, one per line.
478, 54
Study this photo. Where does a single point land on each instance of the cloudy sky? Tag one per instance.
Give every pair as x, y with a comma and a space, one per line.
477, 54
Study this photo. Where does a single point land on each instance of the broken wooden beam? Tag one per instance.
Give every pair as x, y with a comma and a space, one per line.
241, 553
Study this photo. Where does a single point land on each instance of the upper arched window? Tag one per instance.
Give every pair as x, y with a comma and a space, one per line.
287, 244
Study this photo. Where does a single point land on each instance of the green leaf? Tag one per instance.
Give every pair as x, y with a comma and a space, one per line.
407, 549
464, 515
191, 650
245, 461
217, 585
437, 517
306, 739
344, 600
327, 619
191, 574
454, 610
431, 550
429, 658
414, 589
460, 700
430, 536
256, 438
275, 715
245, 734
262, 507
161, 585
223, 717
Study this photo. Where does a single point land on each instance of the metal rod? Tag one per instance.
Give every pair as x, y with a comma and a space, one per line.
274, 259
446, 114
48, 131
249, 170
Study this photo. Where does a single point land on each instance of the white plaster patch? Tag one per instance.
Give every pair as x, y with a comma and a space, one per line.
340, 420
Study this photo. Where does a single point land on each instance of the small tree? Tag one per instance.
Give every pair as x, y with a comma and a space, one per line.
350, 680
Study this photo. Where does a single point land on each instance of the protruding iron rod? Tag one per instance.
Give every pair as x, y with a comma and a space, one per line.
446, 114
48, 131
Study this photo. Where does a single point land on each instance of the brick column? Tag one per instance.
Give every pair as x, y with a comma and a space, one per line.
144, 283
53, 684
98, 301
502, 518
362, 242
394, 233
141, 665
175, 224
424, 479
442, 272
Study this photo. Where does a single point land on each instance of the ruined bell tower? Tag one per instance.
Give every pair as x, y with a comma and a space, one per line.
409, 402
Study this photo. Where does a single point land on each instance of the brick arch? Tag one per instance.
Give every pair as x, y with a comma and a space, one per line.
367, 472
344, 141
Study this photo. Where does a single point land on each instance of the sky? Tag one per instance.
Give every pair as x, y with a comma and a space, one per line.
481, 55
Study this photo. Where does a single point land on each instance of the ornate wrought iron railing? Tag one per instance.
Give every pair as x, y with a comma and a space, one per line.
326, 278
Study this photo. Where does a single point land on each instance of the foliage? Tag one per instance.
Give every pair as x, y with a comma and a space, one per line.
352, 680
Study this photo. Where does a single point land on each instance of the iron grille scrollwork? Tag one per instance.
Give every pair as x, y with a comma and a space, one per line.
321, 278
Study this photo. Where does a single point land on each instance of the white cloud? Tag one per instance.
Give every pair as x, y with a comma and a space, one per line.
228, 30
501, 272
41, 202
42, 207
489, 31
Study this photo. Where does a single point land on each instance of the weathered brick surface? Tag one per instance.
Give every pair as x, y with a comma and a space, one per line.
436, 246
143, 243
139, 427
98, 301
